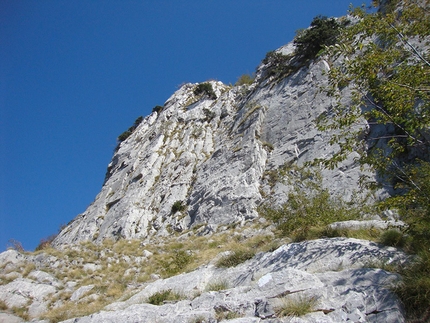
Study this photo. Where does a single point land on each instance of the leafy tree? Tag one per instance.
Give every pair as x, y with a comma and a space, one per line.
383, 59
323, 31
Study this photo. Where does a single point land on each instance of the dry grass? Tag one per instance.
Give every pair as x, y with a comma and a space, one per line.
70, 310
296, 306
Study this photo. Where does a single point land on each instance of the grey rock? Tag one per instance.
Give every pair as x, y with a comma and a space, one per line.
333, 271
213, 156
367, 224
9, 318
44, 278
80, 292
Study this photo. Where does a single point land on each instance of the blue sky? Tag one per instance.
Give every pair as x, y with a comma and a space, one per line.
76, 74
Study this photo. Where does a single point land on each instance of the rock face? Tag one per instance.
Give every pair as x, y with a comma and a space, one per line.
204, 161
213, 155
331, 272
335, 275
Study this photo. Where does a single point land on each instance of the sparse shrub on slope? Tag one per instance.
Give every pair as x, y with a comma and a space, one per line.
205, 89
244, 79
322, 32
309, 209
130, 130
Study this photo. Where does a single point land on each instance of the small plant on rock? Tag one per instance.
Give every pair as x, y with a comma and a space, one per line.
296, 306
160, 297
393, 238
217, 285
205, 89
235, 258
178, 206
130, 130
245, 79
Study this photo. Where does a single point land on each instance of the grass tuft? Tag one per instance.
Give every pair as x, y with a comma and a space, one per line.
298, 306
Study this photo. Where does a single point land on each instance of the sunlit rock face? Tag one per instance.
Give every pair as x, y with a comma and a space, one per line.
214, 155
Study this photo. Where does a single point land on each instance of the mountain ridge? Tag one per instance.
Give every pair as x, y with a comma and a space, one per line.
213, 155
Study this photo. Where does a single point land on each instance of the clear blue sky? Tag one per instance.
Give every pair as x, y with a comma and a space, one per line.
76, 74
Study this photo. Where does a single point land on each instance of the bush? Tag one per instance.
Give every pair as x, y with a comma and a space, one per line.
244, 79
205, 89
393, 238
278, 65
130, 130
157, 108
306, 214
15, 245
177, 262
178, 206
322, 32
158, 298
414, 291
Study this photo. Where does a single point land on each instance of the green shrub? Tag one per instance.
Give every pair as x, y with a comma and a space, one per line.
244, 79
205, 89
159, 298
306, 214
322, 32
130, 130
278, 65
3, 306
157, 108
414, 290
393, 238
209, 115
235, 258
177, 262
178, 206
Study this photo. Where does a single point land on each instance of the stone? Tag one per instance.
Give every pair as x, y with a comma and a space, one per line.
80, 292
9, 318
214, 156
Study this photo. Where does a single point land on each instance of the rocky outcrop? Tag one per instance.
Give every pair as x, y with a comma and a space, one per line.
213, 156
338, 276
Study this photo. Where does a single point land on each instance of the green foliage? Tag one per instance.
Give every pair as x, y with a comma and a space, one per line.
178, 206
205, 89
309, 209
244, 79
322, 32
177, 262
414, 289
158, 109
159, 298
279, 65
130, 130
388, 72
236, 257
393, 238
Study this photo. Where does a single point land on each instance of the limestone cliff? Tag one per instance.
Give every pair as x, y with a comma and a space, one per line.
212, 153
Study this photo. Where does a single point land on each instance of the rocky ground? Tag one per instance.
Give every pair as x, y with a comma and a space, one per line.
192, 278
